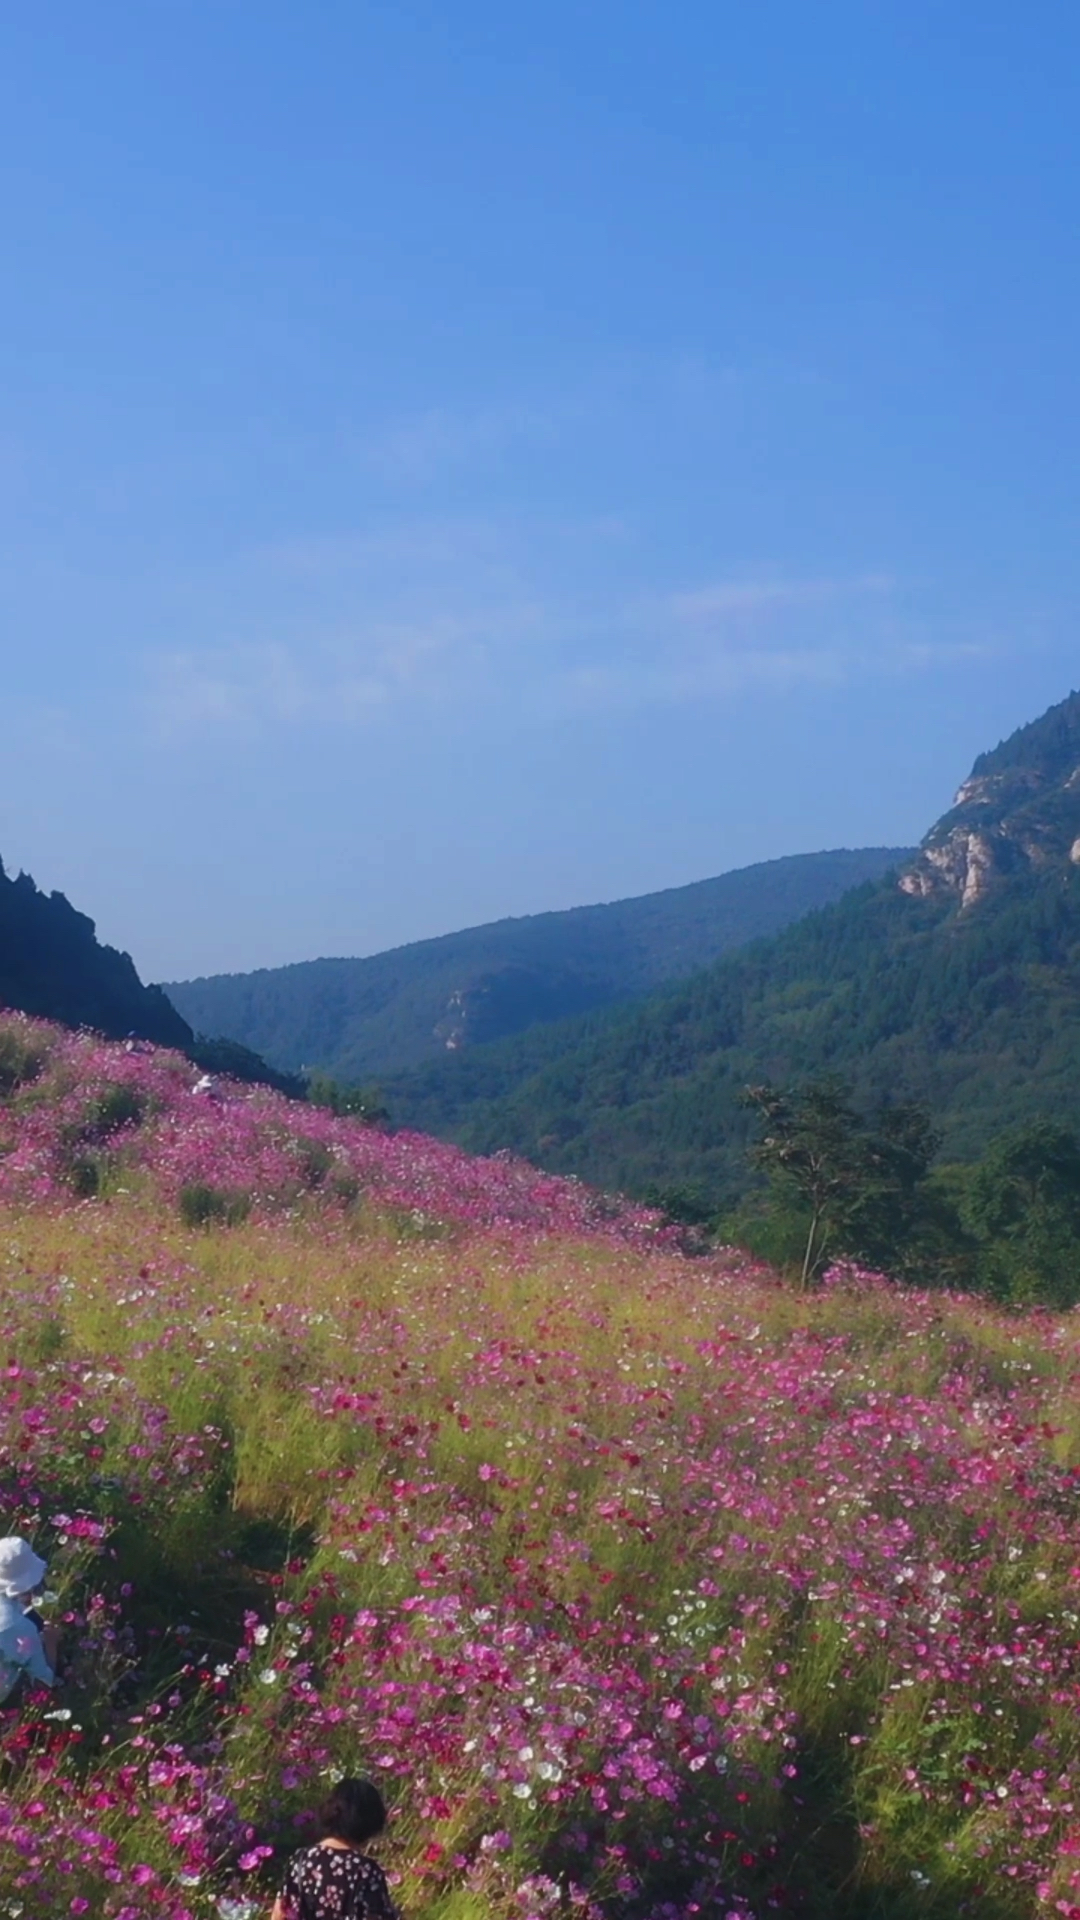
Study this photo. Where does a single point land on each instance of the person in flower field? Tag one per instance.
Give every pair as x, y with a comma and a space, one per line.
28, 1648
335, 1879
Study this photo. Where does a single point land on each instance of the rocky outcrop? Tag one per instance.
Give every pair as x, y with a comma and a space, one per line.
452, 1030
964, 864
506, 1000
1019, 809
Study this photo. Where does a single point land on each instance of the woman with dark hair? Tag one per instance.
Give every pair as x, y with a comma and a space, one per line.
335, 1879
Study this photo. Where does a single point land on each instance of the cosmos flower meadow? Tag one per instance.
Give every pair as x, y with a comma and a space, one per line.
92, 1114
646, 1587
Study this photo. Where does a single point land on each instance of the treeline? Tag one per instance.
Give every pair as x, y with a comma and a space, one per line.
832, 1183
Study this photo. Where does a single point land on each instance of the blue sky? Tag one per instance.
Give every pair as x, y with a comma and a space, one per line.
465, 460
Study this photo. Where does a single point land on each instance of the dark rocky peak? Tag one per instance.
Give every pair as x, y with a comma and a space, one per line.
52, 964
1018, 810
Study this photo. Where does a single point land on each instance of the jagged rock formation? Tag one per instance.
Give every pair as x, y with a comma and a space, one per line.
1019, 810
52, 964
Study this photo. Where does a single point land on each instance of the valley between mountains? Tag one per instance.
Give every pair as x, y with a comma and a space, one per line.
950, 976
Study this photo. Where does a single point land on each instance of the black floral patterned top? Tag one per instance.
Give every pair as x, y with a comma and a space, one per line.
334, 1883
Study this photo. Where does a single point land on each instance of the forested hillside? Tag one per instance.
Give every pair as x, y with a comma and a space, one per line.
52, 964
958, 987
359, 1019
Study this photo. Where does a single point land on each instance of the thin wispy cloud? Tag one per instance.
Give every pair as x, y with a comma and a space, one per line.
343, 676
416, 448
728, 597
245, 691
449, 540
414, 616
419, 447
729, 637
647, 683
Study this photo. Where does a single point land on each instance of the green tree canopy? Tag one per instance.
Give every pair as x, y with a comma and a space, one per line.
1023, 1207
857, 1179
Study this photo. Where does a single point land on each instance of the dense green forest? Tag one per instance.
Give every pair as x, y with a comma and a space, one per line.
981, 1020
363, 1019
969, 1005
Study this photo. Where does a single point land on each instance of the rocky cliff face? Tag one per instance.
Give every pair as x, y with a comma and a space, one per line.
506, 1000
1020, 809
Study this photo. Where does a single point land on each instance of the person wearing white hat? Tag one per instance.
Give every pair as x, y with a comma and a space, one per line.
28, 1649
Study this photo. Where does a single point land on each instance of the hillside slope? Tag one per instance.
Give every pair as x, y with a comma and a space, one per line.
359, 1019
959, 985
80, 1116
52, 964
647, 1587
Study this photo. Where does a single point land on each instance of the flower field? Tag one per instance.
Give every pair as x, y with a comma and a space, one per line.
646, 1587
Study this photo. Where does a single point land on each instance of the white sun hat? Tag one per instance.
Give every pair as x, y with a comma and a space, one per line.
21, 1569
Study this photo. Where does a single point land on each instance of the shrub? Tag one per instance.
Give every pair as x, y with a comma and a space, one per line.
359, 1103
344, 1186
116, 1106
84, 1176
22, 1056
205, 1206
684, 1205
104, 1114
315, 1161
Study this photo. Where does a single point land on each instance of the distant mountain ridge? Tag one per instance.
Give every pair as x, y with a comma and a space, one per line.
52, 964
955, 982
364, 1019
